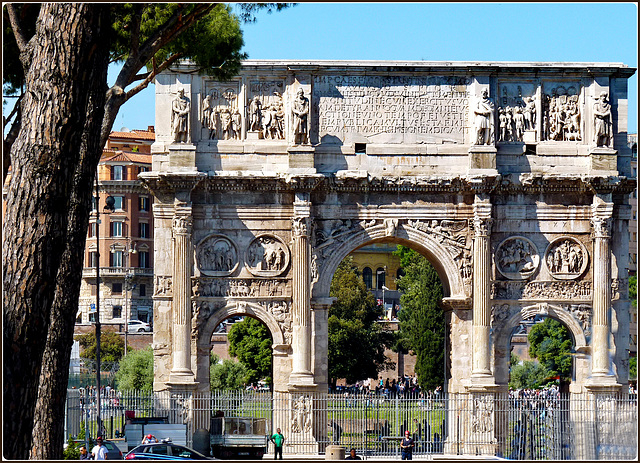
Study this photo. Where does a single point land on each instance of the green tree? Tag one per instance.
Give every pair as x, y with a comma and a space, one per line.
633, 368
111, 346
550, 342
227, 374
422, 323
529, 375
136, 371
356, 341
250, 341
633, 290
58, 56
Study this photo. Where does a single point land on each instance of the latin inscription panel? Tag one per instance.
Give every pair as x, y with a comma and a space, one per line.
389, 109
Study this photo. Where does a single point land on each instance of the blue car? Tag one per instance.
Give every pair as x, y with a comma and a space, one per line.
164, 451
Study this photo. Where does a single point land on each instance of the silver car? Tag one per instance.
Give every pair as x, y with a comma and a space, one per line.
138, 326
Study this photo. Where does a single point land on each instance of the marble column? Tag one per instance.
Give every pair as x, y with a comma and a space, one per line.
181, 309
601, 221
301, 374
481, 364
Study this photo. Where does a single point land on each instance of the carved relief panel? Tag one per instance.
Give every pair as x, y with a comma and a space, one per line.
267, 255
566, 258
517, 112
220, 115
216, 255
562, 105
517, 258
265, 109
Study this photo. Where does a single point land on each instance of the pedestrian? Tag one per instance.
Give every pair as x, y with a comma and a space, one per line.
278, 442
149, 439
99, 451
352, 455
84, 455
406, 446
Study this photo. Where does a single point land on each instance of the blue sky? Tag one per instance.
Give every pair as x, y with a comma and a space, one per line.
575, 32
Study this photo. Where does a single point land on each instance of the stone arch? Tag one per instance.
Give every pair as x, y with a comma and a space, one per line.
200, 357
439, 257
241, 308
502, 336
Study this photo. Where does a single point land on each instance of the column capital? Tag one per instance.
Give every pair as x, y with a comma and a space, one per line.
300, 226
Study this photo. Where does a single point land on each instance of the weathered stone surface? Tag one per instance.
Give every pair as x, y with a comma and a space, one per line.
392, 154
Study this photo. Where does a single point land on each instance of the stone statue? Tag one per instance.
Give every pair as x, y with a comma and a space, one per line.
484, 120
236, 121
529, 113
602, 121
181, 107
255, 114
300, 115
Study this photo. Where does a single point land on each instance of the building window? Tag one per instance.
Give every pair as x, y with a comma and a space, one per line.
116, 311
92, 229
144, 230
142, 290
380, 278
93, 259
117, 172
144, 203
116, 288
118, 203
79, 318
116, 229
115, 259
143, 259
634, 236
94, 289
92, 318
634, 215
143, 169
367, 276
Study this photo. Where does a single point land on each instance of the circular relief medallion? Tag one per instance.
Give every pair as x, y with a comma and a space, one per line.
216, 255
517, 258
566, 258
267, 256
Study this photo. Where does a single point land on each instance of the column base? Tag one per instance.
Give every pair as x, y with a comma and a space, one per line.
482, 382
181, 376
602, 384
301, 379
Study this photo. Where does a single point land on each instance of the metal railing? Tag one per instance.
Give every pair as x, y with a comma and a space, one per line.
531, 426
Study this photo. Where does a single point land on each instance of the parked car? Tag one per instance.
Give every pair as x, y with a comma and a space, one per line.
138, 326
164, 450
113, 452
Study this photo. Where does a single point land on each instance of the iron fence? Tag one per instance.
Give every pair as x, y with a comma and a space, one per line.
521, 426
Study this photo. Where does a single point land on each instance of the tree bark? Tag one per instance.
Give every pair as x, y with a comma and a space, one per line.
48, 429
58, 119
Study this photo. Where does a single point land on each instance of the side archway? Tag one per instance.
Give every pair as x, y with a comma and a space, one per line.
234, 308
502, 338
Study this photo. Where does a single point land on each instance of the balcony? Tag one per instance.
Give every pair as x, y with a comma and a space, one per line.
105, 272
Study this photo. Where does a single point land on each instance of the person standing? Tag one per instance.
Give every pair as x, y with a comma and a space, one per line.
278, 442
406, 446
99, 451
352, 455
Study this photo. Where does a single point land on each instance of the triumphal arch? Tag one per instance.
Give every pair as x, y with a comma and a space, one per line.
513, 179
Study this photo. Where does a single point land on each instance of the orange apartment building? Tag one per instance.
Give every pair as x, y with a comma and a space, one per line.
125, 236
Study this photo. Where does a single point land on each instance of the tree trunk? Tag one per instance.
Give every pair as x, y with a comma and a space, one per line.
43, 195
48, 429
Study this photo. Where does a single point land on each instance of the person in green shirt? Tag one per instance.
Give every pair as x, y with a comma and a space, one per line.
278, 441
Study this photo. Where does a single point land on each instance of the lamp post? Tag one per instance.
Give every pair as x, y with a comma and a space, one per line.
109, 206
128, 279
